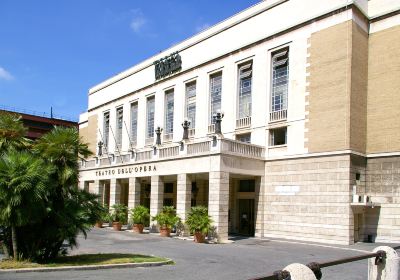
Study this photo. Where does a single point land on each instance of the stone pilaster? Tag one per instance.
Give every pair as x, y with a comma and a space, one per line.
259, 203
134, 192
82, 185
156, 199
183, 196
218, 203
115, 192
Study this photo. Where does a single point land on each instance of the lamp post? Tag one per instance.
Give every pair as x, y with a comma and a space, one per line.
185, 125
158, 133
218, 119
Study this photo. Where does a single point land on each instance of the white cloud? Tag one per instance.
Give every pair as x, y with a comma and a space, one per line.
138, 20
202, 27
5, 75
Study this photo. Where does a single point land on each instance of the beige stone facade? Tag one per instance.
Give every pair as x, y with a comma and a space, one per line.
314, 155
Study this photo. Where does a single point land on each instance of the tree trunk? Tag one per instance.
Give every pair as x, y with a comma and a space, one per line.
14, 242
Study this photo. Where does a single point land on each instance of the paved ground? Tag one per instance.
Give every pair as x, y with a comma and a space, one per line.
243, 259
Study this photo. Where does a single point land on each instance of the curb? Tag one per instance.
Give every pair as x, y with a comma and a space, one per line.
87, 267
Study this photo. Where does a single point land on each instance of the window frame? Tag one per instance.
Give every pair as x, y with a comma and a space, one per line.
241, 67
211, 77
148, 99
283, 104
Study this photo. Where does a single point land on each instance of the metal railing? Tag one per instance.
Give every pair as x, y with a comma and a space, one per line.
316, 267
37, 113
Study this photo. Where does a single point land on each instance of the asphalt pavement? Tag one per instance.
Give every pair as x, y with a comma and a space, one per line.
245, 258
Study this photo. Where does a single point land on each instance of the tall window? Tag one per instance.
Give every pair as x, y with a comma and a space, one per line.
215, 94
245, 75
134, 122
119, 124
169, 112
150, 117
191, 103
280, 80
106, 129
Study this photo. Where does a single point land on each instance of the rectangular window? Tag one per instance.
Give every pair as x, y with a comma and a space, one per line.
169, 188
247, 186
134, 122
191, 103
169, 112
119, 124
278, 136
106, 129
246, 138
280, 80
150, 117
245, 77
215, 94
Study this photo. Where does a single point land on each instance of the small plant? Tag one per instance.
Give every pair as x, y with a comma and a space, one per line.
119, 213
199, 222
139, 215
166, 219
104, 216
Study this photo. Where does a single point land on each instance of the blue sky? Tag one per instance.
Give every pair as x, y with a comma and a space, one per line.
53, 51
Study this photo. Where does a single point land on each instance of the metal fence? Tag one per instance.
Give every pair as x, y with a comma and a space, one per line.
380, 257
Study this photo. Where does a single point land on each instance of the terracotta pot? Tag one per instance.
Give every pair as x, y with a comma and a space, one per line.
138, 228
199, 237
117, 226
99, 224
165, 232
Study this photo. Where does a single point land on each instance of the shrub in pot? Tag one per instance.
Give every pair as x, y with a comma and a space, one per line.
139, 217
104, 217
199, 223
119, 215
166, 219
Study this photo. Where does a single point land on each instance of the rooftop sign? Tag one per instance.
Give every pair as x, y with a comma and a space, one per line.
167, 65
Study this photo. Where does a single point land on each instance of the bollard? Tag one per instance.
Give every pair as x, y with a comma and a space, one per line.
385, 269
300, 272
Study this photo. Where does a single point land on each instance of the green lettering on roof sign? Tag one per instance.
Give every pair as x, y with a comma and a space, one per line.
167, 65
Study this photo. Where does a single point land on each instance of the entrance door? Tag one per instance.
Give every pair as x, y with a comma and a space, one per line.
246, 217
357, 227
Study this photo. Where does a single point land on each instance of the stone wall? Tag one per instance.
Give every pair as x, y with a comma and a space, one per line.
383, 185
309, 199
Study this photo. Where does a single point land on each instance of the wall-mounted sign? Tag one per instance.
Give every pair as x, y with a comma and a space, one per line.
167, 65
126, 170
287, 190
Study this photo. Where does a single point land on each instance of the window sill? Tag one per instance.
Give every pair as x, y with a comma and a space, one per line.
277, 146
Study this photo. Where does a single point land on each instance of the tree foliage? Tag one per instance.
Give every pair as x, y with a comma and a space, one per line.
39, 197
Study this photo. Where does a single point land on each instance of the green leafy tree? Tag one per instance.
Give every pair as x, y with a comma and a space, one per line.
12, 133
23, 179
167, 218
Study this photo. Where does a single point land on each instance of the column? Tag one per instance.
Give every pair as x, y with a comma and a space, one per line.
115, 192
183, 197
259, 203
218, 203
82, 185
134, 192
156, 199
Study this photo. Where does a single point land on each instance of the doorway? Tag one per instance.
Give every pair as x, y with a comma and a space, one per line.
246, 217
358, 222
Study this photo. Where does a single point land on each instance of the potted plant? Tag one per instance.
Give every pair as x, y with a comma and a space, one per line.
139, 217
199, 223
119, 216
104, 217
166, 219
